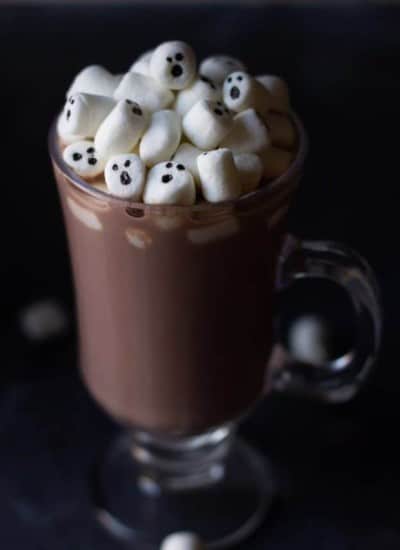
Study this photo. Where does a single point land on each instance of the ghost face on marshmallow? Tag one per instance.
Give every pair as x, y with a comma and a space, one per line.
173, 64
83, 158
241, 91
169, 183
125, 176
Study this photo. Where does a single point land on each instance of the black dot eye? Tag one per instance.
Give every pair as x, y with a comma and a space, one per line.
90, 150
137, 110
71, 100
76, 157
169, 59
92, 161
218, 112
239, 78
230, 79
115, 167
179, 56
169, 165
180, 167
68, 114
205, 153
166, 178
128, 101
127, 163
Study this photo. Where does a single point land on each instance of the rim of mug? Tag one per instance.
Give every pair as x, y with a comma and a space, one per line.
272, 188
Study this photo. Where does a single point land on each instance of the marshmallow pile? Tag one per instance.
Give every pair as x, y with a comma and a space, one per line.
170, 132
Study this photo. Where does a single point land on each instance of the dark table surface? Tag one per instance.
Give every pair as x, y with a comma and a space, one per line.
338, 465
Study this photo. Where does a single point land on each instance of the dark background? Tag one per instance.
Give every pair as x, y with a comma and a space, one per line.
338, 465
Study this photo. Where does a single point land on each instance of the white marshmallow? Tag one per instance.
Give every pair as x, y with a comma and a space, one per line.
218, 175
173, 64
250, 170
218, 67
83, 114
281, 130
142, 64
84, 215
161, 138
207, 123
182, 541
201, 88
83, 158
241, 91
169, 183
145, 90
248, 134
279, 90
125, 176
94, 79
121, 129
63, 134
276, 162
187, 154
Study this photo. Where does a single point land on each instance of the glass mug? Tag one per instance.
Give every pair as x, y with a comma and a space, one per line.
176, 339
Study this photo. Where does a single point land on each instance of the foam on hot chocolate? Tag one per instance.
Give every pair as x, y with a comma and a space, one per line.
169, 108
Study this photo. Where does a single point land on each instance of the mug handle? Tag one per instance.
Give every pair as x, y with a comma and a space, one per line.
340, 379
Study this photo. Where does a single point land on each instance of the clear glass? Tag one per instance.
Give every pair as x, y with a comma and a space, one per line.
175, 312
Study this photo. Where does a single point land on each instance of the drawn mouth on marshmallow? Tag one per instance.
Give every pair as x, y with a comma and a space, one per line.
235, 92
125, 178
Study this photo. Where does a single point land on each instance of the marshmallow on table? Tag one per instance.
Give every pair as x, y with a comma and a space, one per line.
250, 169
182, 541
169, 183
276, 162
125, 176
281, 130
83, 114
145, 90
279, 90
121, 129
201, 88
241, 91
83, 157
94, 79
142, 64
218, 67
187, 154
248, 134
173, 64
219, 176
207, 123
161, 138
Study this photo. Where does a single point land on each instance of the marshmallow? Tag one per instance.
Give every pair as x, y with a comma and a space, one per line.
83, 114
96, 80
142, 64
63, 134
279, 90
248, 134
121, 129
83, 158
218, 67
161, 138
187, 154
144, 90
182, 541
84, 215
250, 169
218, 175
138, 238
169, 183
207, 123
276, 162
125, 176
173, 64
281, 130
241, 91
201, 88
